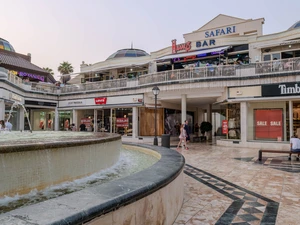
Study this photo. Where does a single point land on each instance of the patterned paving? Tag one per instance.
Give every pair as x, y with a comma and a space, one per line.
246, 207
279, 163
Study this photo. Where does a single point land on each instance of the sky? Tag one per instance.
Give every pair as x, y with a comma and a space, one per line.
54, 31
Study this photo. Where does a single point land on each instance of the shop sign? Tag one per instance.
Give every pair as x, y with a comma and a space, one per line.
181, 47
75, 102
205, 43
34, 76
137, 100
225, 126
13, 72
100, 101
16, 97
122, 122
29, 102
220, 31
282, 89
268, 124
290, 42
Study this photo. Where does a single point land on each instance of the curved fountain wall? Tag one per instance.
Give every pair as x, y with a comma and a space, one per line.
151, 196
36, 165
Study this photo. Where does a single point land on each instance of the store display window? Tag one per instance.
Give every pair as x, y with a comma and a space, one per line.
233, 121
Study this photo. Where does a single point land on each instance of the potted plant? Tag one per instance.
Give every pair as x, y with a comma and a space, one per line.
205, 127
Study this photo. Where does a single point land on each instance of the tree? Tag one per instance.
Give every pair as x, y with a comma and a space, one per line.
49, 70
205, 127
65, 68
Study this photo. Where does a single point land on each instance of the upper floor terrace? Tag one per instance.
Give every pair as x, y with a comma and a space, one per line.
259, 70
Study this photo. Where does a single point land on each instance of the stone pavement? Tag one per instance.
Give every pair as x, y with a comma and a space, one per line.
230, 186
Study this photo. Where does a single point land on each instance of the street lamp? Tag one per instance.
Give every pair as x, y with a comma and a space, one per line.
155, 91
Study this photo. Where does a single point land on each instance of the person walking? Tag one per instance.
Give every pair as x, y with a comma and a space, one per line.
187, 129
182, 137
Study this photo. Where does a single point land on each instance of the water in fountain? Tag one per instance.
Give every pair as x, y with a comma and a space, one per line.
130, 162
15, 105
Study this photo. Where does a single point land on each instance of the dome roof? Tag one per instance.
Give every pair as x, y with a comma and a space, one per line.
295, 25
4, 44
129, 52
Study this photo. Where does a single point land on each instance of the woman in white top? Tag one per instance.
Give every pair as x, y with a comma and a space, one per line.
182, 137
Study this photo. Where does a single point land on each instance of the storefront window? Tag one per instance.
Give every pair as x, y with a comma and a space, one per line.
173, 121
296, 119
41, 119
276, 56
65, 120
267, 57
123, 121
268, 121
233, 120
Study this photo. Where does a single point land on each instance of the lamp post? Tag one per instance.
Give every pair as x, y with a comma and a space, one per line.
155, 91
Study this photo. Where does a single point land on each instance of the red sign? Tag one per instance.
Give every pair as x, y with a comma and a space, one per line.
86, 121
122, 122
100, 101
268, 124
225, 126
185, 46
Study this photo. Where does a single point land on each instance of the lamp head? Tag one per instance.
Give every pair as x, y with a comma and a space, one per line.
155, 90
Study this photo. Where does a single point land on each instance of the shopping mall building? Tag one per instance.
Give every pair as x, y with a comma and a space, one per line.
226, 72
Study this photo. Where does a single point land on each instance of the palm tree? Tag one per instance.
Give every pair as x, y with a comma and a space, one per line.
65, 68
49, 70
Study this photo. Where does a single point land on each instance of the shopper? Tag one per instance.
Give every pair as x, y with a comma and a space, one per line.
295, 144
182, 137
187, 129
8, 125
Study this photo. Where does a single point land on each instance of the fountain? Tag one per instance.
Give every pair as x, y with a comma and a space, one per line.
14, 105
40, 159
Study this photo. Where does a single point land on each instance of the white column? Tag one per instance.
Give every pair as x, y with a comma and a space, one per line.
200, 116
74, 117
21, 119
111, 121
2, 109
243, 122
56, 125
95, 120
208, 119
135, 122
183, 108
291, 119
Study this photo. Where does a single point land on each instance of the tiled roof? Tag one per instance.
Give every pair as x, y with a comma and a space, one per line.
13, 59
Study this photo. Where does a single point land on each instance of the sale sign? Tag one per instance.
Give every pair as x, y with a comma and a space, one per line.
268, 123
224, 126
86, 121
122, 122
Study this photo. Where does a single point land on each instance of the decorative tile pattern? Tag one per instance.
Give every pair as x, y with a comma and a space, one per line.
247, 207
279, 163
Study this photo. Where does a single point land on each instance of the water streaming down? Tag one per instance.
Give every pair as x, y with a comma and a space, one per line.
130, 162
14, 105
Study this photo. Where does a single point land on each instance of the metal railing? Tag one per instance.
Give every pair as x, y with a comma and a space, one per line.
181, 75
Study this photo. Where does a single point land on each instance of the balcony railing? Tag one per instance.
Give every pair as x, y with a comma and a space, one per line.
168, 77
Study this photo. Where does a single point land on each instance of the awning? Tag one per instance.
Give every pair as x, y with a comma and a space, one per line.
180, 55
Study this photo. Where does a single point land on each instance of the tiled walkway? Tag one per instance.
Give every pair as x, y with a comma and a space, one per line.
230, 186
